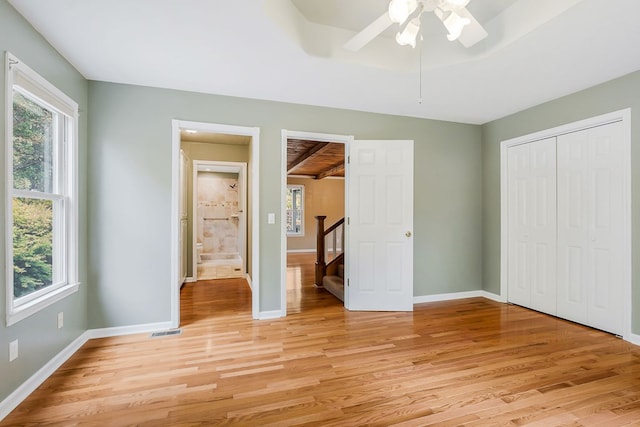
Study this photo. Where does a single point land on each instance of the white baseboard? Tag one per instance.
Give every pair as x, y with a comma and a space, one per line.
190, 280
300, 251
129, 330
29, 386
265, 315
493, 297
248, 279
457, 295
633, 339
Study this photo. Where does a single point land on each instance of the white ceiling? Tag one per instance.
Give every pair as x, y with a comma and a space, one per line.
291, 50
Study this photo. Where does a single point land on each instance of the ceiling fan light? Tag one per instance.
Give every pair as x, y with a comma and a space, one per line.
456, 25
400, 10
409, 35
457, 3
453, 22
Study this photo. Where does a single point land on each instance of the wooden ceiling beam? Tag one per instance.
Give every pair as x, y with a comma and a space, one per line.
307, 155
332, 171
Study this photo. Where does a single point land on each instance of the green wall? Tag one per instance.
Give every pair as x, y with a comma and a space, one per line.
130, 192
38, 336
614, 95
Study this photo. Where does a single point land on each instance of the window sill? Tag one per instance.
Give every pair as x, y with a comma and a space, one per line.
16, 314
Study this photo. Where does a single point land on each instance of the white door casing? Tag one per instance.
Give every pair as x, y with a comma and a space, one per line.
225, 167
311, 136
532, 224
590, 232
254, 133
379, 256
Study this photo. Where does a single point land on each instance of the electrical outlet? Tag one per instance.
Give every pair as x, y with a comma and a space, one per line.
60, 320
13, 350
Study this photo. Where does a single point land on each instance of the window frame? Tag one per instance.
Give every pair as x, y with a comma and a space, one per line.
63, 195
301, 209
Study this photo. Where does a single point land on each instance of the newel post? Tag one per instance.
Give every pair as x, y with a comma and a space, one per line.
321, 267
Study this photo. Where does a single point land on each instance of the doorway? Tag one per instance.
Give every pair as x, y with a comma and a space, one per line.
313, 183
250, 260
219, 220
378, 232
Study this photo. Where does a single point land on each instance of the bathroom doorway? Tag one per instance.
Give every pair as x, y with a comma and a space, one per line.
217, 143
219, 222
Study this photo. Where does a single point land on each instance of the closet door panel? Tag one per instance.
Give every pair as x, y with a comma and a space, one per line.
573, 206
544, 288
520, 193
589, 227
605, 297
532, 230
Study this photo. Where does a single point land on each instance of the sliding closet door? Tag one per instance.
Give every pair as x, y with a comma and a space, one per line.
532, 225
590, 239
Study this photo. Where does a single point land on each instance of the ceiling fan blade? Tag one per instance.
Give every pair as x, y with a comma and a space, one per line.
472, 33
374, 29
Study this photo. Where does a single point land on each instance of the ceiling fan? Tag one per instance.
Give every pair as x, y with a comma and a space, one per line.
453, 14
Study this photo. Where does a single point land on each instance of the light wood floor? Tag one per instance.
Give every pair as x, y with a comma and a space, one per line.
469, 362
302, 295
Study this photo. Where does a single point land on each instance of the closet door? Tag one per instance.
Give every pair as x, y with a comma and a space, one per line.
532, 225
590, 237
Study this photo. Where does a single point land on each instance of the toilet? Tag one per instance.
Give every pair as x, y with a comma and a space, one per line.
199, 247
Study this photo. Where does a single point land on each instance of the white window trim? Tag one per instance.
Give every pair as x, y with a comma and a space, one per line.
302, 211
16, 72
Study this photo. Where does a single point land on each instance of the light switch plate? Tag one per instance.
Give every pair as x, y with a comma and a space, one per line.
13, 350
271, 218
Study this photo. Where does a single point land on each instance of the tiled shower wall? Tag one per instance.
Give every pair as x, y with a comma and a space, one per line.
217, 212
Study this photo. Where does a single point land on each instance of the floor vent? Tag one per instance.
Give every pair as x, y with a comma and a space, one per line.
166, 333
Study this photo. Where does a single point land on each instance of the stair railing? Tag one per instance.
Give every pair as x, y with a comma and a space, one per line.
325, 253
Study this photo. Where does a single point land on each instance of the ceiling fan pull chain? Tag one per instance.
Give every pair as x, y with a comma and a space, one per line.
420, 75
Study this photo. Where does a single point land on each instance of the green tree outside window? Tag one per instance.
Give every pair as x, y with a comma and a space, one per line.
33, 130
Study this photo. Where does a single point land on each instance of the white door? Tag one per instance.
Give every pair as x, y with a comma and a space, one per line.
183, 250
590, 218
379, 258
182, 190
532, 225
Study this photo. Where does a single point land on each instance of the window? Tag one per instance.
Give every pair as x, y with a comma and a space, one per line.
41, 180
295, 210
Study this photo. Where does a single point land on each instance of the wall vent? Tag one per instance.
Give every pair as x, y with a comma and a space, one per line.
166, 333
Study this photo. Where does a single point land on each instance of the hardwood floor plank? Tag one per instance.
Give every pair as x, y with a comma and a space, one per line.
471, 362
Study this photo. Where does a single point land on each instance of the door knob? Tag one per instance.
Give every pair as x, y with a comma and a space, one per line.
408, 234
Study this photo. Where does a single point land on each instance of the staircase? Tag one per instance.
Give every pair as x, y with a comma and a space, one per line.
335, 283
330, 275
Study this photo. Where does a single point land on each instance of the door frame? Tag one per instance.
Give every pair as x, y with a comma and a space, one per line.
313, 136
623, 116
221, 166
254, 163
